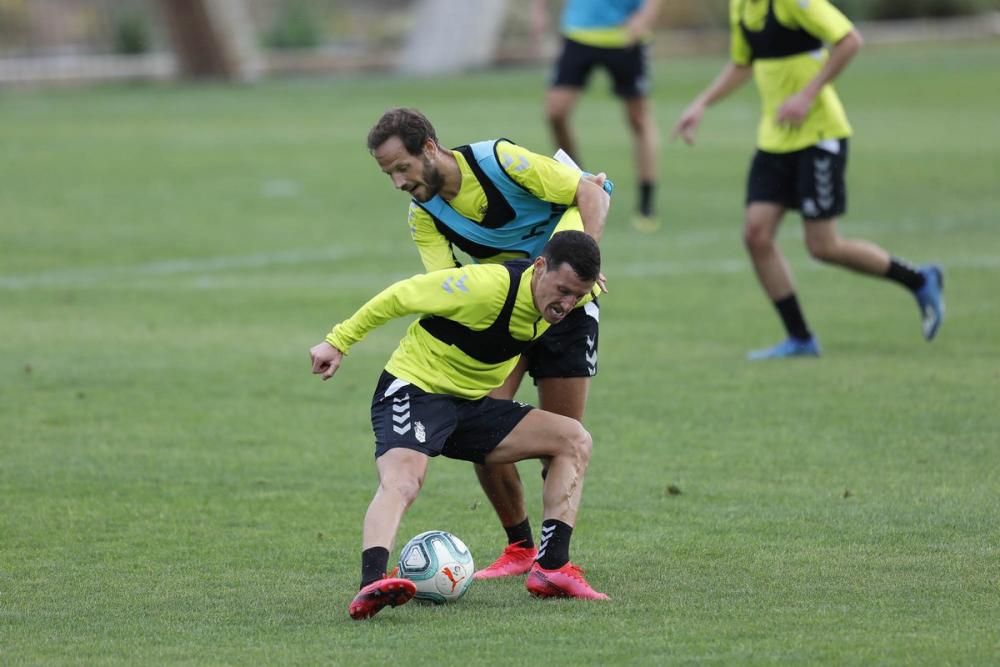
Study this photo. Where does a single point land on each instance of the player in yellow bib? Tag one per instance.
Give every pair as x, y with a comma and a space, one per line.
494, 201
432, 399
801, 157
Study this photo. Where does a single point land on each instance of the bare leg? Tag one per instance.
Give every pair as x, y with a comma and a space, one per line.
501, 482
827, 245
759, 233
563, 396
775, 276
559, 103
401, 473
566, 443
645, 137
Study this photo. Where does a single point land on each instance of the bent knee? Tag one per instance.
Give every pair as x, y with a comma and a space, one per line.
640, 123
406, 487
757, 236
580, 443
822, 250
558, 108
557, 116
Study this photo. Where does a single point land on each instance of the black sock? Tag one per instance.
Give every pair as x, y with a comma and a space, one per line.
905, 274
373, 564
791, 316
520, 534
646, 197
554, 551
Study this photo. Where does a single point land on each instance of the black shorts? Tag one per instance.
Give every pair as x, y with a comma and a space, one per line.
628, 67
403, 415
810, 180
567, 349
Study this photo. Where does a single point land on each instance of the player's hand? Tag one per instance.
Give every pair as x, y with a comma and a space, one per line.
325, 359
602, 282
596, 179
687, 124
640, 26
795, 109
635, 32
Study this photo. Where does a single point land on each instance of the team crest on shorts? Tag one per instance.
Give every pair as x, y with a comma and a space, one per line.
418, 431
809, 207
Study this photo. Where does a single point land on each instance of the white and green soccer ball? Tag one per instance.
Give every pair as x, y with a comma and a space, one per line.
439, 564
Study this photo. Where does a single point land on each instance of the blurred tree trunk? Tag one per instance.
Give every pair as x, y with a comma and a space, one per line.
212, 38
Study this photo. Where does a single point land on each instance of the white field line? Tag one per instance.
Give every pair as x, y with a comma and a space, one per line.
103, 275
211, 272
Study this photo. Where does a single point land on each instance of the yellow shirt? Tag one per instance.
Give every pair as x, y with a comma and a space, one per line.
473, 296
540, 175
778, 79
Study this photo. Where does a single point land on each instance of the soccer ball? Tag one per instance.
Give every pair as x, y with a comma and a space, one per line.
439, 564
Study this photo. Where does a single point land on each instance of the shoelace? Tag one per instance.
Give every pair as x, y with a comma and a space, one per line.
511, 553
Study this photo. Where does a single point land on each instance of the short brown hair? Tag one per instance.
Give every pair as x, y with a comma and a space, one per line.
411, 126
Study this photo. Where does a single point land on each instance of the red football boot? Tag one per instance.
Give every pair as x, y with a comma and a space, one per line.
565, 582
391, 590
514, 560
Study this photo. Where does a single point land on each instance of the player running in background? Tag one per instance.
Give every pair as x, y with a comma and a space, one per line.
801, 157
495, 201
614, 35
432, 400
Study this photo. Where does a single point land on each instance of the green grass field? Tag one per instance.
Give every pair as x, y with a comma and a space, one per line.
176, 488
